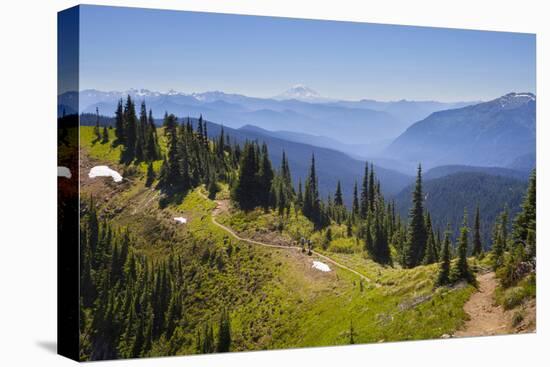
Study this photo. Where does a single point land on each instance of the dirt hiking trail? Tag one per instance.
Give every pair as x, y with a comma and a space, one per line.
223, 206
486, 318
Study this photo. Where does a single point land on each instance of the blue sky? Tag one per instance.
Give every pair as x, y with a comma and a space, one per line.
124, 48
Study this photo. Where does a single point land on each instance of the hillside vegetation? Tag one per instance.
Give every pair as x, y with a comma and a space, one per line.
205, 247
274, 296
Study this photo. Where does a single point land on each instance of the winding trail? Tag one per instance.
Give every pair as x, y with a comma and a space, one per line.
486, 318
221, 206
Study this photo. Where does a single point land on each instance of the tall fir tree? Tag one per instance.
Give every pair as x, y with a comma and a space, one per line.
526, 220
300, 195
130, 130
171, 180
338, 199
141, 123
416, 239
505, 224
312, 202
104, 135
355, 203
461, 269
265, 177
365, 193
430, 255
245, 192
498, 246
119, 123
150, 177
97, 131
285, 172
372, 188
477, 247
151, 142
443, 277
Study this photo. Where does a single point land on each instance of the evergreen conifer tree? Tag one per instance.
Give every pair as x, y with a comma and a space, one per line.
150, 175
498, 246
338, 200
430, 256
526, 220
372, 188
130, 131
365, 193
300, 196
355, 203
265, 177
416, 239
245, 192
461, 270
141, 126
119, 123
212, 188
312, 203
151, 139
477, 247
104, 135
443, 277
504, 224
97, 131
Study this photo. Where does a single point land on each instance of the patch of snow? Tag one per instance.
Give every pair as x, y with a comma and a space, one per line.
526, 95
320, 266
181, 220
173, 92
104, 171
63, 172
514, 100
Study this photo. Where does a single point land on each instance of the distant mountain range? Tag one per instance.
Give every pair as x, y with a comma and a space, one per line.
499, 133
442, 171
494, 133
366, 124
408, 111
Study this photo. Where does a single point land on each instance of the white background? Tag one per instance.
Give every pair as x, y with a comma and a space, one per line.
28, 181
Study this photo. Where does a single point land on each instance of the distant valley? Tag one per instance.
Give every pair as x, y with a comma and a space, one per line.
501, 132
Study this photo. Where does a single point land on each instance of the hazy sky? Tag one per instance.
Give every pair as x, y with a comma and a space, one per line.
124, 48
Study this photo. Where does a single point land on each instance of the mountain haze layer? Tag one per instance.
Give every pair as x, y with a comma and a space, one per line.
366, 124
493, 133
332, 166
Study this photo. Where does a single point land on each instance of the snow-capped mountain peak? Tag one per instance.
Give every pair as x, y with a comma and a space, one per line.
514, 100
300, 92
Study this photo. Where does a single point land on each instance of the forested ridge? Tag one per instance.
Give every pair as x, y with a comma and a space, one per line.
447, 196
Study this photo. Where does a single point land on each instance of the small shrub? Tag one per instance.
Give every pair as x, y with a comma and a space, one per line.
517, 318
342, 246
129, 171
513, 269
513, 297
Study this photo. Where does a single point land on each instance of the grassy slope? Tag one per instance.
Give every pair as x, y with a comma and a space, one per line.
384, 313
277, 300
